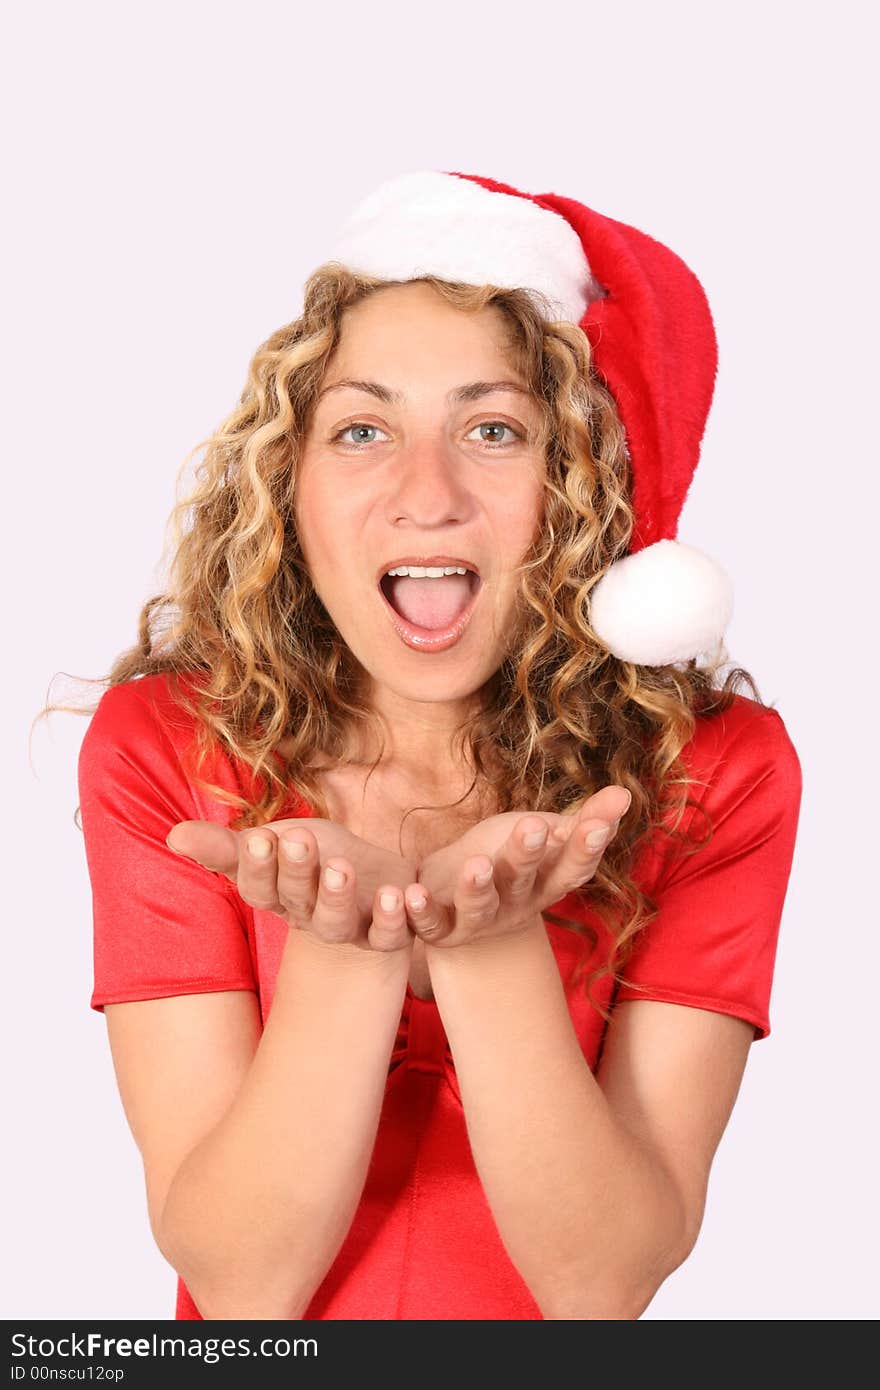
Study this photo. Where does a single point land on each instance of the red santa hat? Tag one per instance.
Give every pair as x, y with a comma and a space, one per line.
653, 345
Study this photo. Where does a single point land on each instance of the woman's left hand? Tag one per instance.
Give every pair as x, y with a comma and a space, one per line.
521, 880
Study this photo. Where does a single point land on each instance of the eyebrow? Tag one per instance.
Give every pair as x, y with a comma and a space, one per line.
471, 391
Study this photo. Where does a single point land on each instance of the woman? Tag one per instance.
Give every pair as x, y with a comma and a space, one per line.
423, 999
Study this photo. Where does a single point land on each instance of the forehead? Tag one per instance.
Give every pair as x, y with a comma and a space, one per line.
412, 329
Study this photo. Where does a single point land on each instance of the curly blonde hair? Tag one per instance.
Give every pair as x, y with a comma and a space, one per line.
560, 718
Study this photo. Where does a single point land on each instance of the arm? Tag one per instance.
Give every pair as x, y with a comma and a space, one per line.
254, 1141
589, 1215
597, 1184
255, 1169
257, 1210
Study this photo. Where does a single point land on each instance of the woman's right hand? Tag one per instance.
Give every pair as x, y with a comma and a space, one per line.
299, 891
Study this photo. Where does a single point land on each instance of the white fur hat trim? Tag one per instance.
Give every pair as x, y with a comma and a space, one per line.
430, 223
666, 603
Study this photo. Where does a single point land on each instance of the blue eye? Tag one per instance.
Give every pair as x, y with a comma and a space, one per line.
361, 426
358, 425
497, 425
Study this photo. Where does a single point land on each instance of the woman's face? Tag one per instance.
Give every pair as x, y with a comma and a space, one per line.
431, 465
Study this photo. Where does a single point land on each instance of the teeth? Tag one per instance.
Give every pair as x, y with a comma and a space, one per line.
415, 572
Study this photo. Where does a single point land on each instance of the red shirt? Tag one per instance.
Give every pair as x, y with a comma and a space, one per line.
423, 1242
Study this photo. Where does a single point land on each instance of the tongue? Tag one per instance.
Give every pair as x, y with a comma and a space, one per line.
430, 603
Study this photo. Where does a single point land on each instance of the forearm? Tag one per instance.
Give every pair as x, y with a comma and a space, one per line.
258, 1210
589, 1219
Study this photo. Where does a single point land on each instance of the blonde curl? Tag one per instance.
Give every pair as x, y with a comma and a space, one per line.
561, 718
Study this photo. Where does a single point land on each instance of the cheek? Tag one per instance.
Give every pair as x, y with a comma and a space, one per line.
521, 518
321, 516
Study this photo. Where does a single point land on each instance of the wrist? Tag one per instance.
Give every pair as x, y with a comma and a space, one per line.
341, 972
500, 943
347, 956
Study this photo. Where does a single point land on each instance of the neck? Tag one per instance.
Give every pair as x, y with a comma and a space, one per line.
414, 740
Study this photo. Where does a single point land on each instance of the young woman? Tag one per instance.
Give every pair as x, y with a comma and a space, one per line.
436, 877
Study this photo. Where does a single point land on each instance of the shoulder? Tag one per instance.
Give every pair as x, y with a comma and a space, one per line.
744, 790
746, 784
139, 731
135, 719
148, 699
744, 742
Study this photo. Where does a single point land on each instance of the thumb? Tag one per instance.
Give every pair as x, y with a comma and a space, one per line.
213, 845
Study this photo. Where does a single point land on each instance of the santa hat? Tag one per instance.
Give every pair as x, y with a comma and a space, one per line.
653, 345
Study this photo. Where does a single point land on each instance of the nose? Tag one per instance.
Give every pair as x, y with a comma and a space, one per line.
429, 487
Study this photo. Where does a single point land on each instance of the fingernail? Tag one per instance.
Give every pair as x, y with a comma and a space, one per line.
388, 901
480, 880
597, 838
259, 847
417, 902
295, 849
536, 838
334, 878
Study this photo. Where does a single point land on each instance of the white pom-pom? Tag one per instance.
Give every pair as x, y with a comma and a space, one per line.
666, 603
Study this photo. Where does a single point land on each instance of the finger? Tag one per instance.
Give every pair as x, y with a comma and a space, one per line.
520, 859
389, 929
610, 804
298, 865
426, 917
336, 916
581, 856
258, 870
215, 846
476, 898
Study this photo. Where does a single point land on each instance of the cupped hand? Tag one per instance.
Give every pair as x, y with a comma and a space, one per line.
345, 890
519, 879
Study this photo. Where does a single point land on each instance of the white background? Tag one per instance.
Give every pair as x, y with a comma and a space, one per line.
172, 175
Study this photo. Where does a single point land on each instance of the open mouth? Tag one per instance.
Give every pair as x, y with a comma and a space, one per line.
430, 614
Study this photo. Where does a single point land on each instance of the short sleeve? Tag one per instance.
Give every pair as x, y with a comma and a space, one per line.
713, 943
162, 924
